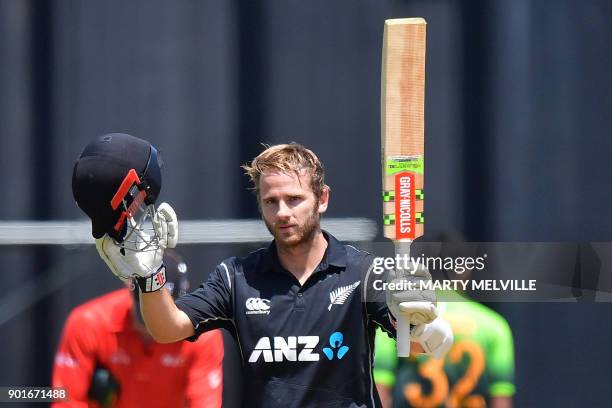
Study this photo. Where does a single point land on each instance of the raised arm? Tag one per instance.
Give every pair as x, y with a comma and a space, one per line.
168, 321
143, 263
164, 321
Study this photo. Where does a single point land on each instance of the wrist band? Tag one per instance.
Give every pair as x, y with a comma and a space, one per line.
154, 282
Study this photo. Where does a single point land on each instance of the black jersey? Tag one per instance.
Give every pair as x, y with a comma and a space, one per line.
301, 345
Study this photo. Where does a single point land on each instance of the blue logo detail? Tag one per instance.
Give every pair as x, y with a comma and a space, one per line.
335, 341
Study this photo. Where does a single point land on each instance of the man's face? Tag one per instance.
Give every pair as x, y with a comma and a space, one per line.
289, 207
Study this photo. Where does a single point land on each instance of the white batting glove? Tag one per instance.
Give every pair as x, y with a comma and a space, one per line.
165, 223
418, 306
133, 263
435, 337
126, 264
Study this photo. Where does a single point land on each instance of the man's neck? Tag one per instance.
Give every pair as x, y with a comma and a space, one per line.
301, 260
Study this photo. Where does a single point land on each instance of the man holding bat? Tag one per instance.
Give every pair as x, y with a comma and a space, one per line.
305, 335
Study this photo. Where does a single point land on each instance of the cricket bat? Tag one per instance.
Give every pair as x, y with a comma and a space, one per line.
403, 141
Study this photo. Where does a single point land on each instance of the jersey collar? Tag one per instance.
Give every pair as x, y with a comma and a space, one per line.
335, 254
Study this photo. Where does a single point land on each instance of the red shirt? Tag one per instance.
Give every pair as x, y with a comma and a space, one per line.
150, 374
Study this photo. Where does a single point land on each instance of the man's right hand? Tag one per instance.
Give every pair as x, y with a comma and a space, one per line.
128, 263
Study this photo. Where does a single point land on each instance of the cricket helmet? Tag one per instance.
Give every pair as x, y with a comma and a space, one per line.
115, 181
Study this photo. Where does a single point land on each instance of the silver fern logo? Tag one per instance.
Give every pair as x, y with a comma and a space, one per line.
339, 295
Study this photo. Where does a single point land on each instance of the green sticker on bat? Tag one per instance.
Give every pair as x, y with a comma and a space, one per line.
397, 164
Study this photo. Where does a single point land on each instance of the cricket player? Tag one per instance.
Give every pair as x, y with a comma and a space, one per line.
305, 336
106, 357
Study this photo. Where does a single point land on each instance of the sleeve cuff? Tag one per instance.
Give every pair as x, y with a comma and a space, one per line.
189, 312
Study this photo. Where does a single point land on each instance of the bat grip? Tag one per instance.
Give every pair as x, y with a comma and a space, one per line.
402, 248
403, 322
403, 336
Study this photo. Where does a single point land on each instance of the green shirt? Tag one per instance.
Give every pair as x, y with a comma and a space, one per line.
480, 365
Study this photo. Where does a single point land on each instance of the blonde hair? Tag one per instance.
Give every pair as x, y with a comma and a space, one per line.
287, 158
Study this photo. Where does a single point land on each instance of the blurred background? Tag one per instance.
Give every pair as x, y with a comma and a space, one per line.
518, 119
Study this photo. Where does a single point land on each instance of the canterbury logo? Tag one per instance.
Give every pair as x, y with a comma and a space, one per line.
257, 306
339, 296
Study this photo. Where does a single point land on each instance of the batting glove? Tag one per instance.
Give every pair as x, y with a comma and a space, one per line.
436, 337
418, 305
165, 223
146, 265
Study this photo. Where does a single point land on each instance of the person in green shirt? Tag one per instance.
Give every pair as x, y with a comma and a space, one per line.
477, 372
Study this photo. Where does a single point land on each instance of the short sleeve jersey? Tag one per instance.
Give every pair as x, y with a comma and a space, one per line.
480, 364
301, 345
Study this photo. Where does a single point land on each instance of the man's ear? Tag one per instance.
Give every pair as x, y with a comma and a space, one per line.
324, 200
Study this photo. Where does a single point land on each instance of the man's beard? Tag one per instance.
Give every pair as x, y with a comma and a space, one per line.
303, 233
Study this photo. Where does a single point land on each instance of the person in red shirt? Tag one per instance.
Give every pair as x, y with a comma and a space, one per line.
106, 358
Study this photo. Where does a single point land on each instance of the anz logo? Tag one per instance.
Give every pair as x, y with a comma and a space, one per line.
285, 349
297, 348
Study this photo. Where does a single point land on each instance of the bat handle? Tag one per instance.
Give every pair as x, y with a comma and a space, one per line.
403, 322
403, 336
